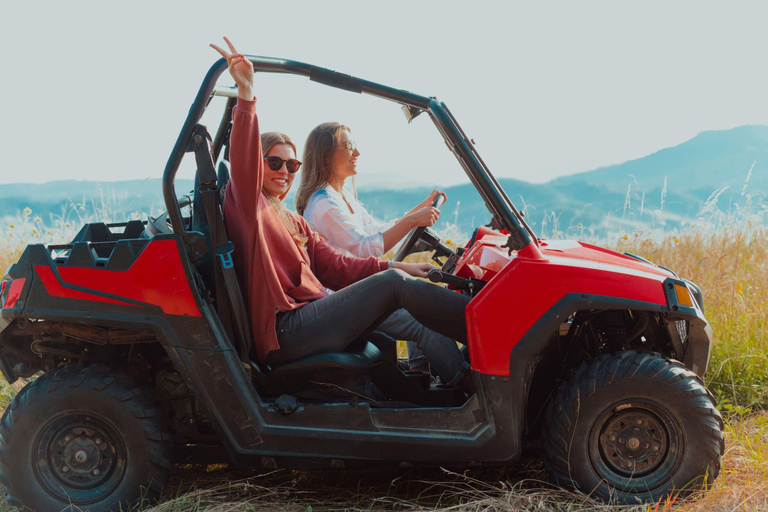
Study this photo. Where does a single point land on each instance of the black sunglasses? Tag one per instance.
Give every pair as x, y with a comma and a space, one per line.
276, 163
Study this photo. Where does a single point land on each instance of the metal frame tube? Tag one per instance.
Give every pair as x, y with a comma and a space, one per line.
196, 111
223, 131
490, 190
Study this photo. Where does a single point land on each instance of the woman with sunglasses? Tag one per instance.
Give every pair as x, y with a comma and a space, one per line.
285, 267
333, 211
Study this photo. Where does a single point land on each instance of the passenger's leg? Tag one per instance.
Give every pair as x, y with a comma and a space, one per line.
416, 359
333, 322
441, 352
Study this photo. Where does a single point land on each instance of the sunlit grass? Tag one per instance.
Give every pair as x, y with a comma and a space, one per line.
29, 228
728, 263
730, 266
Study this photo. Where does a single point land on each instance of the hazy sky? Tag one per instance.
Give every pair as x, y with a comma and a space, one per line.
99, 90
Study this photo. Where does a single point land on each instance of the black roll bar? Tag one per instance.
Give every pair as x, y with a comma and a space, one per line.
493, 195
223, 132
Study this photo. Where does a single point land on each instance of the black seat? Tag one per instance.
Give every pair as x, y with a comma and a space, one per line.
350, 368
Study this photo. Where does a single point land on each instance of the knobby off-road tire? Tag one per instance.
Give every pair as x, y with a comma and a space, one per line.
632, 427
83, 436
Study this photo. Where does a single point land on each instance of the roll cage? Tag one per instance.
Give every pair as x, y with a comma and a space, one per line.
496, 200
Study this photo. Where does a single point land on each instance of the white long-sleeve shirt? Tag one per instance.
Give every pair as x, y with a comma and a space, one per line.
358, 233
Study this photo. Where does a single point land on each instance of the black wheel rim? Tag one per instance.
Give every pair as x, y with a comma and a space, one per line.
79, 457
636, 446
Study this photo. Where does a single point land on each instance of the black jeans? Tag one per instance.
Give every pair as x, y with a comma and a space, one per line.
330, 324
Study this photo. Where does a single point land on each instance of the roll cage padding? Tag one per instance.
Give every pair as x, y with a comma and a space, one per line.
335, 79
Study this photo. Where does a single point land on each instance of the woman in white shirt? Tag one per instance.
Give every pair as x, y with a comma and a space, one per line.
333, 211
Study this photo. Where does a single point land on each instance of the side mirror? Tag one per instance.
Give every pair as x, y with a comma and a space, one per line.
411, 112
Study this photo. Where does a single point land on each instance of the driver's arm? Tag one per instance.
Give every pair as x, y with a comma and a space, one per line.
425, 216
340, 230
396, 233
343, 233
392, 232
330, 217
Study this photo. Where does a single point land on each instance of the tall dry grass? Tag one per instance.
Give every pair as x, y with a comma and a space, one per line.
728, 263
29, 228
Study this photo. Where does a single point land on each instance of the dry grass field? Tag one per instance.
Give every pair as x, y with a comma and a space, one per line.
729, 263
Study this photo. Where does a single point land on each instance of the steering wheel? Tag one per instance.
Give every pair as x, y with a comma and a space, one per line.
415, 234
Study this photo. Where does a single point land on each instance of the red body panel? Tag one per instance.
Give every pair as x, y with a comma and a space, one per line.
14, 293
485, 258
56, 289
521, 292
156, 277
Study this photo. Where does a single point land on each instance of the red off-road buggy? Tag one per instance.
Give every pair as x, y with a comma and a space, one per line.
140, 334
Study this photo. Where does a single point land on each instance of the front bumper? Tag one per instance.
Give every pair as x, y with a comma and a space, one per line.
699, 344
694, 345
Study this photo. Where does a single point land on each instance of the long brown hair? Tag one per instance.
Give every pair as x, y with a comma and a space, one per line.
268, 141
318, 161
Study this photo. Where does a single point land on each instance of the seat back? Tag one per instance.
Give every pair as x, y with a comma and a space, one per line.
199, 223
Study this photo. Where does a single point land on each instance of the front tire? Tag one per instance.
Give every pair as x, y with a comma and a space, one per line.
633, 427
83, 436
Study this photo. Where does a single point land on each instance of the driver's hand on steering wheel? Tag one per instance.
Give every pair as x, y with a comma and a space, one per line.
430, 200
424, 216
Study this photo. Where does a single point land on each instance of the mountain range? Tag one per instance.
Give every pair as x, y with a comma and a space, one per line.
715, 173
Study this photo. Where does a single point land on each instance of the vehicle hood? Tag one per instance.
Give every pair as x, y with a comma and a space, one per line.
580, 254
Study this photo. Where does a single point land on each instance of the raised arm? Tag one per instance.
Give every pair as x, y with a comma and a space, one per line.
245, 140
240, 68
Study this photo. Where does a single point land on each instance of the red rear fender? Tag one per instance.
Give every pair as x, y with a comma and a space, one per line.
156, 278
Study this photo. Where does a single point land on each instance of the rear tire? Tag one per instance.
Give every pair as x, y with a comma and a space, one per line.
83, 436
633, 427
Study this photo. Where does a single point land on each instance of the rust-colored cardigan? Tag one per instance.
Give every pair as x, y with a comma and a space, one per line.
275, 273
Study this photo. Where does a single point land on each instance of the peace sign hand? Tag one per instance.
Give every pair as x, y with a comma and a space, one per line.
240, 68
